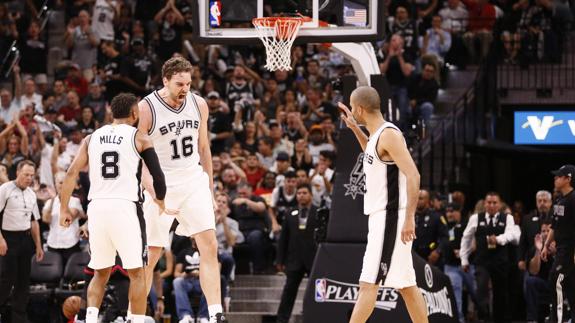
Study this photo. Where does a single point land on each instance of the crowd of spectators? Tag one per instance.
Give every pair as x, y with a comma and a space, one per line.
270, 131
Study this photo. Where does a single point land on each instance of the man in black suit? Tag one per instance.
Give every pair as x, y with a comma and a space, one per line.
296, 248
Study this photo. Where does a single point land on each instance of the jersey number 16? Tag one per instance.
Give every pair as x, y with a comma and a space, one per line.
187, 148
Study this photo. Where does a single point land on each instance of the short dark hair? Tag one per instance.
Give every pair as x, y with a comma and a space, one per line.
304, 185
328, 154
24, 163
176, 65
493, 193
267, 140
290, 174
122, 105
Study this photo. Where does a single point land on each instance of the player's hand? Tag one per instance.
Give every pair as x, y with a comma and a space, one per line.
408, 230
3, 247
163, 209
39, 254
65, 217
346, 116
160, 307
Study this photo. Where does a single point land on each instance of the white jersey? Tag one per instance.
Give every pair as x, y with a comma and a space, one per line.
174, 134
115, 164
103, 19
386, 185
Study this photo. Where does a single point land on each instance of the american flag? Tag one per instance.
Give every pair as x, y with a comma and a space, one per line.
354, 16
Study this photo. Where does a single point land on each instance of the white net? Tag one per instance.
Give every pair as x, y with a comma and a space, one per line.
278, 35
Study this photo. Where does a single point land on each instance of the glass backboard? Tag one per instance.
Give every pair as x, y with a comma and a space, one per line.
229, 21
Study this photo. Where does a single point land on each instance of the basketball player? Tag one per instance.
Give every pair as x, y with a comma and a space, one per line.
392, 184
114, 155
176, 121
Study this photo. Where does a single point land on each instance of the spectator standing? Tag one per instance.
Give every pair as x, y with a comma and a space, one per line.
103, 16
454, 20
406, 27
301, 159
10, 105
480, 28
170, 21
70, 113
397, 68
20, 236
139, 70
15, 149
423, 91
33, 50
296, 248
283, 198
265, 152
562, 228
492, 231
64, 241
59, 91
250, 212
281, 144
281, 167
451, 254
110, 69
83, 42
430, 229
76, 81
253, 169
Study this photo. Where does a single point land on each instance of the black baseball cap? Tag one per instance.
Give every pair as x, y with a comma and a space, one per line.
565, 170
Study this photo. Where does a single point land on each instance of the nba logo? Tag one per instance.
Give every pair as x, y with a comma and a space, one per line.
320, 290
215, 13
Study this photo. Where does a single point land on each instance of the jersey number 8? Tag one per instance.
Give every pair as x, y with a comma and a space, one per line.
110, 169
187, 147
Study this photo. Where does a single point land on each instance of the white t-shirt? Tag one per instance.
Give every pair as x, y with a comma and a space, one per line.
45, 168
10, 113
103, 19
60, 237
318, 188
35, 100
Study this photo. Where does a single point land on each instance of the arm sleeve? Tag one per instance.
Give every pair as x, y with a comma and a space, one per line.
151, 159
466, 240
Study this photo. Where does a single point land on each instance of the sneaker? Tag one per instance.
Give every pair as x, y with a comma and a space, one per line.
203, 320
187, 319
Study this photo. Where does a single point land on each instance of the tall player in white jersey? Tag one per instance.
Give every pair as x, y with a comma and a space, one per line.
392, 188
177, 122
114, 155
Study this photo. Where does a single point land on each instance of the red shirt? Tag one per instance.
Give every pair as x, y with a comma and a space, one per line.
80, 85
480, 16
70, 113
254, 177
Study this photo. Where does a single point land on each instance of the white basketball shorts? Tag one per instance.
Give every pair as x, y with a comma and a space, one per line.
193, 200
387, 260
116, 225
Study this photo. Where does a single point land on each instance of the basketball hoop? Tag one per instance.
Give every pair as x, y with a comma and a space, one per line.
278, 35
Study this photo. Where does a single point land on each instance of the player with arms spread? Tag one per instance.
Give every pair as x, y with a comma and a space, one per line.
177, 122
392, 189
114, 155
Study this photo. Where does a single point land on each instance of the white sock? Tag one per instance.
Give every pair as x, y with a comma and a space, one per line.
129, 314
92, 315
138, 318
215, 309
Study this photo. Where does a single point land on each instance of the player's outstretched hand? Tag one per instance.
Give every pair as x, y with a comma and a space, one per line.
65, 217
408, 231
346, 116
